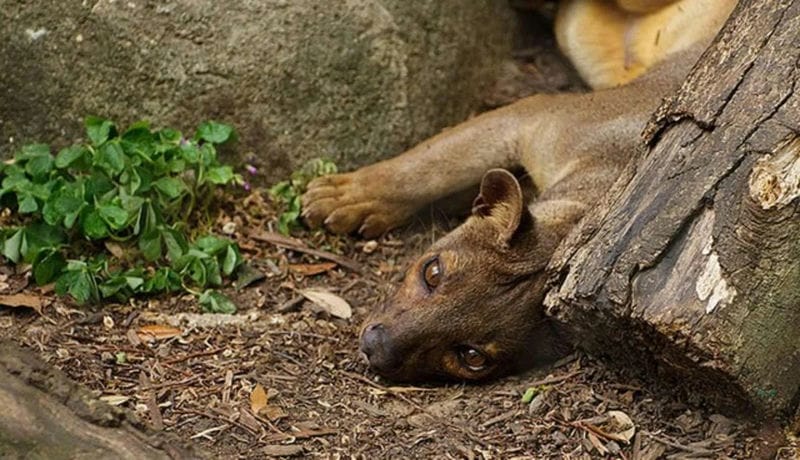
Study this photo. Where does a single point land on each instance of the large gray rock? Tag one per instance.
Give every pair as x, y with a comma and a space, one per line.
353, 80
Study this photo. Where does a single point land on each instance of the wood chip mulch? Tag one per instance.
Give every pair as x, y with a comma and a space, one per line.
282, 377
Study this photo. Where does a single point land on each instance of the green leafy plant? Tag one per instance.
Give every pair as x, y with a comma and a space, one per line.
287, 193
114, 217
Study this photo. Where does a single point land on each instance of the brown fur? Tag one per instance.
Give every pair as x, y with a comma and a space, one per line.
487, 300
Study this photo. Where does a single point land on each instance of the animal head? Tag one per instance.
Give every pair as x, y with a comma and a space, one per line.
470, 307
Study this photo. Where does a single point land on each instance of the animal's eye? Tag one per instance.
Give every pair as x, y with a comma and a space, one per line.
432, 273
472, 358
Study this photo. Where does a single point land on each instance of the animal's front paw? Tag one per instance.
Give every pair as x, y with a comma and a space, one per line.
346, 203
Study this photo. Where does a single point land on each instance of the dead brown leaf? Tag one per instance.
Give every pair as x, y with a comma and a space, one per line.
616, 426
329, 302
311, 269
115, 249
133, 337
22, 300
280, 450
152, 332
115, 400
258, 399
621, 425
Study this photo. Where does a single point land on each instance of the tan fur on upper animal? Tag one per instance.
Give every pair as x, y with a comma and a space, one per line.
470, 307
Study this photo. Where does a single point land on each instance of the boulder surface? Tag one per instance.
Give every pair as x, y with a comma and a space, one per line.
351, 80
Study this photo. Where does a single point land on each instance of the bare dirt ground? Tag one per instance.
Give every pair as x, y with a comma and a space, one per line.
283, 378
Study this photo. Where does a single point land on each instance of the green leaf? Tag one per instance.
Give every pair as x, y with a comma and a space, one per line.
216, 133
112, 286
134, 181
191, 152
43, 235
50, 213
27, 204
287, 221
77, 282
196, 270
82, 289
216, 302
70, 219
63, 204
150, 245
213, 273
97, 185
113, 215
170, 186
98, 129
138, 140
164, 280
38, 237
232, 260
41, 191
131, 203
175, 243
169, 136
212, 245
70, 155
16, 182
66, 204
220, 175
48, 266
176, 165
12, 246
111, 158
208, 155
529, 394
94, 226
134, 282
282, 190
31, 151
148, 220
138, 131
39, 166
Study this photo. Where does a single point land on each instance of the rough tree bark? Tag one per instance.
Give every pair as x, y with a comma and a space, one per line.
692, 262
45, 415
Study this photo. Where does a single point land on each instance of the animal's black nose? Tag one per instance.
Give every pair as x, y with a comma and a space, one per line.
375, 345
373, 339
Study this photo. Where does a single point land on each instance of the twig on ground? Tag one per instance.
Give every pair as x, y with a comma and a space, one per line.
205, 433
692, 450
193, 355
298, 246
554, 379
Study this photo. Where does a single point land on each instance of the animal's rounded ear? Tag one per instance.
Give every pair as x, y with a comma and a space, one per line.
500, 202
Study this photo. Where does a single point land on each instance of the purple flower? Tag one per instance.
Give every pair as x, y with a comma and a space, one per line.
246, 186
251, 169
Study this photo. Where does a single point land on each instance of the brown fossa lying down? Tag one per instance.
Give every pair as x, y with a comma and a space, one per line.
470, 307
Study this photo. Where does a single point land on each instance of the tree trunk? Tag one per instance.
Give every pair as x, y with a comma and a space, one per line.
45, 415
692, 262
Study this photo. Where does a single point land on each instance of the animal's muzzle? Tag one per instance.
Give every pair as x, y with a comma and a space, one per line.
376, 346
